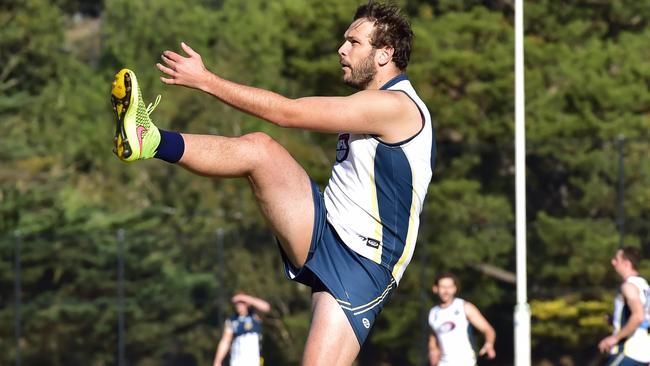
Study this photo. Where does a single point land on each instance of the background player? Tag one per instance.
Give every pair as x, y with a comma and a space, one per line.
242, 332
450, 321
629, 345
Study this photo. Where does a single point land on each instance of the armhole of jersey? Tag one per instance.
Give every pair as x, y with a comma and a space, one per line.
433, 314
462, 307
396, 144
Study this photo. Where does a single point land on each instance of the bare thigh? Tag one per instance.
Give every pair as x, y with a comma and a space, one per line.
281, 186
331, 340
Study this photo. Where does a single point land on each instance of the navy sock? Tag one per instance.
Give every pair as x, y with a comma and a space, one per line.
171, 147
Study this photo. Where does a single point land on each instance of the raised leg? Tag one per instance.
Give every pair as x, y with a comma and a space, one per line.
280, 184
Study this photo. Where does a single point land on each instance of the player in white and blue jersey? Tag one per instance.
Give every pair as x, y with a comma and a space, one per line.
629, 344
351, 244
451, 322
242, 332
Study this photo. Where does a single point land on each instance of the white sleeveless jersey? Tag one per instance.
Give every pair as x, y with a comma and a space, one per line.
451, 327
374, 196
637, 345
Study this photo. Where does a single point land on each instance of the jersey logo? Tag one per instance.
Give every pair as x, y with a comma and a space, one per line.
366, 322
446, 327
343, 147
248, 325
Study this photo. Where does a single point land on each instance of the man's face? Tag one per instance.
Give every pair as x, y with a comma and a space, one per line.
619, 262
241, 308
446, 289
357, 55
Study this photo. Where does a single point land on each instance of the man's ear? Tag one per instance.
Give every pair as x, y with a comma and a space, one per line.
434, 289
385, 55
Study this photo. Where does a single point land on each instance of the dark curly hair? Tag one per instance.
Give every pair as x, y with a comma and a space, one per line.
450, 276
391, 29
632, 254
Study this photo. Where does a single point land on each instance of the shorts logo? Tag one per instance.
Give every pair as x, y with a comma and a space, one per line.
373, 243
366, 322
342, 147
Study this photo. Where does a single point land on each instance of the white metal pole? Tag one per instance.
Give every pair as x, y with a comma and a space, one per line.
522, 311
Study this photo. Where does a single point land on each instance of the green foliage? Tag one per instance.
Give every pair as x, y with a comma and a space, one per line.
31, 37
574, 251
571, 323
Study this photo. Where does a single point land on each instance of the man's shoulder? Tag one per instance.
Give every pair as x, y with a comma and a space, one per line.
434, 309
637, 280
630, 289
635, 283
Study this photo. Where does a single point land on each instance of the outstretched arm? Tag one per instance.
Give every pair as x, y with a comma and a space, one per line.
479, 322
260, 305
392, 116
224, 345
631, 294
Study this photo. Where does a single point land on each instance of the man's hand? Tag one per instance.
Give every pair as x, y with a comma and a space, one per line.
434, 357
607, 343
487, 350
186, 71
240, 298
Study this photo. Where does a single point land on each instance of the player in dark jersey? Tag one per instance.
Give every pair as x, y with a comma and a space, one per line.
242, 332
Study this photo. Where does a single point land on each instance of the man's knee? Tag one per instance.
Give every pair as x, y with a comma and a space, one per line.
262, 146
260, 138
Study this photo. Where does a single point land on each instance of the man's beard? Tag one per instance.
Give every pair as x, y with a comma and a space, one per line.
363, 73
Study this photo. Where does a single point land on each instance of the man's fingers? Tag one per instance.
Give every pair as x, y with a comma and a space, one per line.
188, 50
168, 81
169, 61
166, 69
173, 56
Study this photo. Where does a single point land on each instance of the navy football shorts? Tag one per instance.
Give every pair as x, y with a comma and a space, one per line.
359, 285
622, 360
